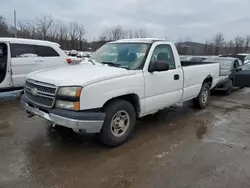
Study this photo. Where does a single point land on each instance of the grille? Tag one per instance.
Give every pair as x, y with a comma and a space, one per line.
40, 100
40, 93
42, 87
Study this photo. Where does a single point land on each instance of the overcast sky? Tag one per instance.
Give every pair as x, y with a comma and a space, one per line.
197, 19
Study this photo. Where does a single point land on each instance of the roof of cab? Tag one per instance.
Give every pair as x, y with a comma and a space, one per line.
27, 41
138, 40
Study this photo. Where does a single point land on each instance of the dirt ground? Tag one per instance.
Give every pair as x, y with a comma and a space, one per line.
178, 147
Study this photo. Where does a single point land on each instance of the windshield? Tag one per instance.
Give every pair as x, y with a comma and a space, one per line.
246, 66
247, 58
131, 55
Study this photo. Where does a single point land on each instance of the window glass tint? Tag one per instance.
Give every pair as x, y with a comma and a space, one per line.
236, 64
164, 53
131, 55
22, 50
247, 57
45, 51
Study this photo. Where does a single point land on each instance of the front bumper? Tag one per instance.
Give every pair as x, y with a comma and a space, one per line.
221, 86
82, 121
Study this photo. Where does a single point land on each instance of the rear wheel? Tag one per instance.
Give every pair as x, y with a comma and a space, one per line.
118, 124
202, 100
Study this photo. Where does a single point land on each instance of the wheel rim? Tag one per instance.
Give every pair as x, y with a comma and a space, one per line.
204, 96
120, 123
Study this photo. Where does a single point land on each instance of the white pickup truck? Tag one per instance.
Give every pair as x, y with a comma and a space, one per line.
122, 81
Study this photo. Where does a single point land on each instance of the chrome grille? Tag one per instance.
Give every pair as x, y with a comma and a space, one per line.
40, 93
48, 90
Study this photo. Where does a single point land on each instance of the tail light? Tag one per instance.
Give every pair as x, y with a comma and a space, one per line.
69, 61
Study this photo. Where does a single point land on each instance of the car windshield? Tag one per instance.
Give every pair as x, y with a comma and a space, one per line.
246, 66
130, 55
247, 58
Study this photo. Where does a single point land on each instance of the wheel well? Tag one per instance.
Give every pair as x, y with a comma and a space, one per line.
132, 98
209, 80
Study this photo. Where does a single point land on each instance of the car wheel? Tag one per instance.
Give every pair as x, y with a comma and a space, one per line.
229, 87
202, 100
118, 124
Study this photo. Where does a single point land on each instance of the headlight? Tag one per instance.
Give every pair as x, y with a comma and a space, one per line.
68, 105
70, 91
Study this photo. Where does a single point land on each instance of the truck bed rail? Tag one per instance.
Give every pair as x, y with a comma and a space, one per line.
191, 63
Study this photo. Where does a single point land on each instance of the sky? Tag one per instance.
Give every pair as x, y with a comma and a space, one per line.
199, 20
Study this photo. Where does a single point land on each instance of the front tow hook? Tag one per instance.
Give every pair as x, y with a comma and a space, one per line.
30, 115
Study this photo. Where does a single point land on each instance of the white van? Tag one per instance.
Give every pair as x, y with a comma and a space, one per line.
19, 57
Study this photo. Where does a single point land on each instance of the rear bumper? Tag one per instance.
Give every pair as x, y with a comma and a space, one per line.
86, 122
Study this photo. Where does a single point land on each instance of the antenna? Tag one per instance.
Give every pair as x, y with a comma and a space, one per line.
15, 24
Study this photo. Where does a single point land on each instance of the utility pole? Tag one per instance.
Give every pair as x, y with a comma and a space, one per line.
15, 23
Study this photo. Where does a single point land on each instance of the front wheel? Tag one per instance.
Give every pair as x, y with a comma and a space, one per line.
229, 87
202, 100
118, 124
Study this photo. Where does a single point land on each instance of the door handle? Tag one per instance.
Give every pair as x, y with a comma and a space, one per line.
176, 77
39, 61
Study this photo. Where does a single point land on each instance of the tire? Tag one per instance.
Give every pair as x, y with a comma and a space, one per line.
229, 87
115, 112
202, 100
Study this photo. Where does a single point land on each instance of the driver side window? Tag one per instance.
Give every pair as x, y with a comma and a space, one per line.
163, 53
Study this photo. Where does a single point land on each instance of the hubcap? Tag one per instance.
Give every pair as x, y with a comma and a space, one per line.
204, 96
120, 123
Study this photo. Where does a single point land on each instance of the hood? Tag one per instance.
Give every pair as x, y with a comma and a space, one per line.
81, 75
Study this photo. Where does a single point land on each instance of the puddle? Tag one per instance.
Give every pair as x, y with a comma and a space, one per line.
5, 128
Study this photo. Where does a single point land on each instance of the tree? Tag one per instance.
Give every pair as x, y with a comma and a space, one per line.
114, 33
247, 43
44, 25
141, 33
73, 34
229, 47
4, 28
63, 35
218, 42
239, 41
80, 35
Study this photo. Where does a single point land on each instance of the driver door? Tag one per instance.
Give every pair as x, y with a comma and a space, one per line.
163, 89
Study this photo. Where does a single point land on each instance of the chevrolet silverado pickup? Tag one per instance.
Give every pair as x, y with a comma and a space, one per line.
122, 81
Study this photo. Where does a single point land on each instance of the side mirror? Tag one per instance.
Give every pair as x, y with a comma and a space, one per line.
158, 66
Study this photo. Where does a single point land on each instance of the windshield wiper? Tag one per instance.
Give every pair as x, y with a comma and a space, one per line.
89, 60
115, 65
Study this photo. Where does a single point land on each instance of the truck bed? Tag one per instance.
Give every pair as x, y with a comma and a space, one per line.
194, 74
191, 63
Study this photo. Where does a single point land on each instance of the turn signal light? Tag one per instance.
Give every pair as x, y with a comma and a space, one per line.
69, 61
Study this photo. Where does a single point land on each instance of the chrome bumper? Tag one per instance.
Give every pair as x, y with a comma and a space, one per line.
86, 126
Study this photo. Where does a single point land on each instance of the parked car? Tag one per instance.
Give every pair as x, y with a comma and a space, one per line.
246, 57
124, 80
19, 57
238, 56
246, 66
228, 67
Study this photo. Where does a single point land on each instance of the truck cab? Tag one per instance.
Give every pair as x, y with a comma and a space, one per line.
122, 81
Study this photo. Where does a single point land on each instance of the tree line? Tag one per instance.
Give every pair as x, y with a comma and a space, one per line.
215, 46
72, 35
69, 35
